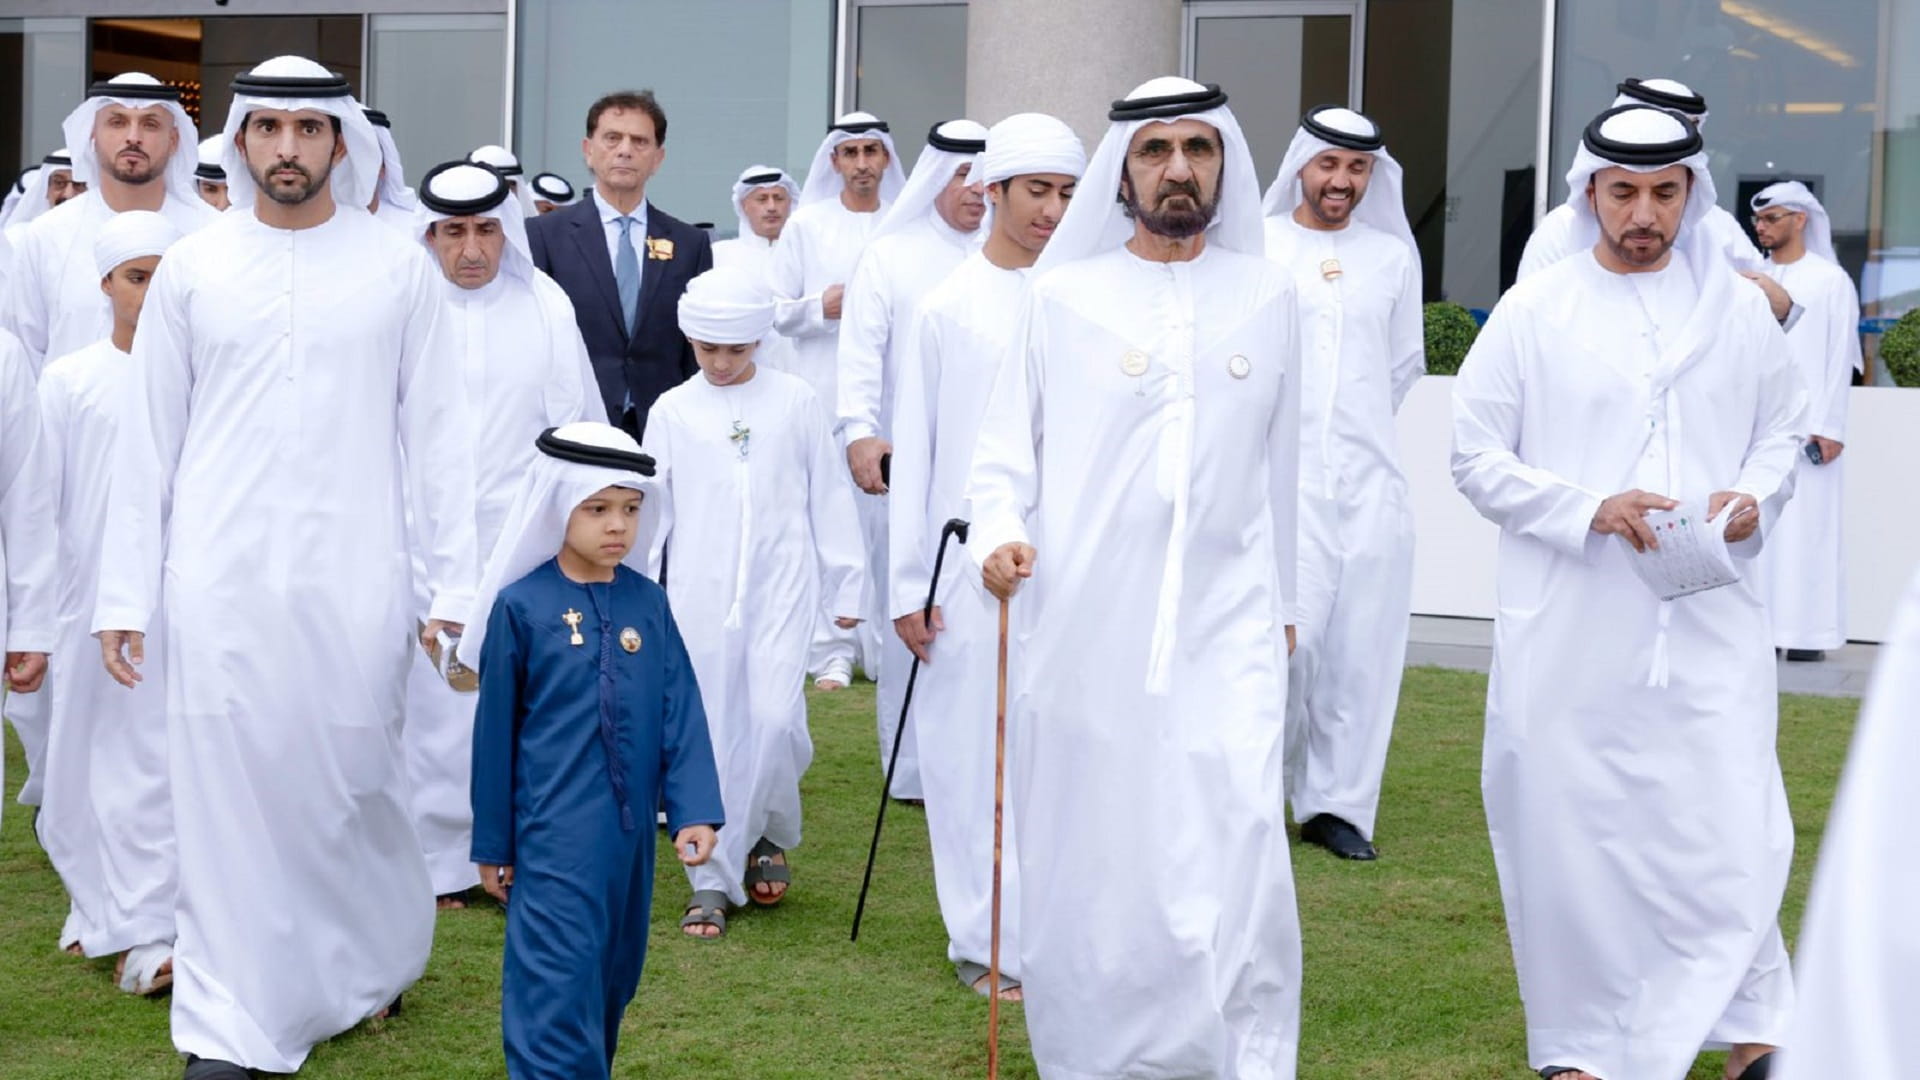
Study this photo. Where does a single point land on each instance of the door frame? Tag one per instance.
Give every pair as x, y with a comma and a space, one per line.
1354, 10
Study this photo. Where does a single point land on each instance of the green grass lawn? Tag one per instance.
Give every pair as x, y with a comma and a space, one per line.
1407, 968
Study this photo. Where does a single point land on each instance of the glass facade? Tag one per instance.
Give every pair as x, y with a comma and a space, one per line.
912, 69
745, 82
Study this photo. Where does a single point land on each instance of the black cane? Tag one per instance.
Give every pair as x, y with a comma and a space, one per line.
954, 527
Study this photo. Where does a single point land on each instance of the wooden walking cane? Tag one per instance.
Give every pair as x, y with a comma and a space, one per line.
999, 818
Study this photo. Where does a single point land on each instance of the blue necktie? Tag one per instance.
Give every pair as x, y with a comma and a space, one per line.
626, 274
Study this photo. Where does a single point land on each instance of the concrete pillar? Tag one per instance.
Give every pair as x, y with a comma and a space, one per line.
1071, 58
53, 79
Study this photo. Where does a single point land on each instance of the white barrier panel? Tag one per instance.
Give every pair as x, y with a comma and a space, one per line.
1454, 555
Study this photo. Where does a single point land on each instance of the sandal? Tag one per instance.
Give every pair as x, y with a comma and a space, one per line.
138, 971
1759, 1068
762, 870
972, 973
707, 908
1552, 1071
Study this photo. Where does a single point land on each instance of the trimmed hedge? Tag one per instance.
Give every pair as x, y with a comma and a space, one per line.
1899, 349
1450, 333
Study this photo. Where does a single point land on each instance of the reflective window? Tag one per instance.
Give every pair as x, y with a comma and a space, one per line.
911, 69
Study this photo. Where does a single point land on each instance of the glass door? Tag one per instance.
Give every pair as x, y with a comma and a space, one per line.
1276, 59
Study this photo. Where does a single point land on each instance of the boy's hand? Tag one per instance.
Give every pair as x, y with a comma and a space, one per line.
496, 880
433, 629
702, 838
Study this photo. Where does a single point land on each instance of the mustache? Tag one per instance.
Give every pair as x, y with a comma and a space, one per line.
289, 166
1178, 187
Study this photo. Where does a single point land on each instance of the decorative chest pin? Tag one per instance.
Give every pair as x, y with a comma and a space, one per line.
1238, 366
630, 639
659, 247
1134, 363
1330, 269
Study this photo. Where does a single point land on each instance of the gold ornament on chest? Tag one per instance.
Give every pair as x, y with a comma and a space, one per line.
630, 639
1330, 269
572, 619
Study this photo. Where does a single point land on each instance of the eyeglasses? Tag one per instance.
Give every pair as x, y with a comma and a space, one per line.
1770, 220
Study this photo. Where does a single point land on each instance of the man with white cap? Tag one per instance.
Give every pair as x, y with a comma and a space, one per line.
1142, 433
393, 202
210, 176
763, 533
524, 370
763, 199
1029, 170
29, 552
1802, 573
1336, 220
1561, 233
42, 188
107, 823
1857, 956
502, 160
1633, 796
551, 191
241, 397
133, 145
854, 178
924, 235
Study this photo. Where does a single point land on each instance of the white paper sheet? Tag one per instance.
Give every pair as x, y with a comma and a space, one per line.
1691, 557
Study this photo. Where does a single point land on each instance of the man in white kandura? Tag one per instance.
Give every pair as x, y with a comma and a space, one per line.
1561, 232
1638, 820
107, 820
1858, 955
1337, 220
134, 146
855, 177
524, 369
925, 234
29, 549
1803, 574
763, 200
210, 176
393, 203
1143, 436
292, 363
1031, 165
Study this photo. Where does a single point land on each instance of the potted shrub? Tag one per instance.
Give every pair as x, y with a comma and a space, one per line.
1450, 333
1899, 349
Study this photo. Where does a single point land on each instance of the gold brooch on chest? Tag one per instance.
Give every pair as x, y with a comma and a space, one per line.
1239, 366
1134, 363
630, 639
1330, 268
572, 619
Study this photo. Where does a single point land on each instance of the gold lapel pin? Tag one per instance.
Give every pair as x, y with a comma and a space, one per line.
630, 639
572, 619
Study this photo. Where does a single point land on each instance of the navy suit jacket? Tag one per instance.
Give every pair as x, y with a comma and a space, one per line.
571, 246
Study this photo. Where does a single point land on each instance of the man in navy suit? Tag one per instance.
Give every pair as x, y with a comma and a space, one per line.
625, 263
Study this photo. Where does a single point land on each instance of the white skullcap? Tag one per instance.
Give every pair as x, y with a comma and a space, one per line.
727, 305
297, 84
1028, 143
1096, 222
131, 234
1795, 195
133, 90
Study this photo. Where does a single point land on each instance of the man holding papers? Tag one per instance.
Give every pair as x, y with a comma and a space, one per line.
1633, 796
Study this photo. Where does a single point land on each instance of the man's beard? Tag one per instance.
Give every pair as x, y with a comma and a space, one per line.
137, 172
1173, 223
1618, 245
294, 196
1319, 213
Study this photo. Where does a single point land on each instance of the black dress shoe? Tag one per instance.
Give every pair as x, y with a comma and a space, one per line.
1805, 656
209, 1069
1339, 837
1760, 1069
